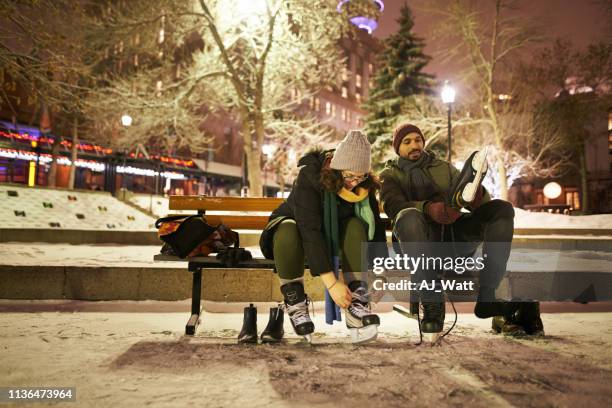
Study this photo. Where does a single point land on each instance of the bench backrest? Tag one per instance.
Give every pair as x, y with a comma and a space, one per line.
237, 205
203, 203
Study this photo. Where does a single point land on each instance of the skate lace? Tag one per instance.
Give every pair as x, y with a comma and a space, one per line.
360, 304
298, 313
430, 309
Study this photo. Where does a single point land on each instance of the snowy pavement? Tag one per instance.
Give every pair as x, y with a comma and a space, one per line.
137, 356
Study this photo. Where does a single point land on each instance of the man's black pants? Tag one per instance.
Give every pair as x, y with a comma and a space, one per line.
491, 224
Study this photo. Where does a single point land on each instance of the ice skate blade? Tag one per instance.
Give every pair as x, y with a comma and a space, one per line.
360, 335
404, 312
432, 338
479, 162
307, 338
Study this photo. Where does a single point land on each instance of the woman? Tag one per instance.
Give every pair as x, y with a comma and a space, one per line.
331, 210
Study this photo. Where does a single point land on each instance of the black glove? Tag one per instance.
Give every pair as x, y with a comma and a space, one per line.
231, 257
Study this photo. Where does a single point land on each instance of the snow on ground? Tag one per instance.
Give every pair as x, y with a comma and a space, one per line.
526, 219
122, 358
26, 207
38, 253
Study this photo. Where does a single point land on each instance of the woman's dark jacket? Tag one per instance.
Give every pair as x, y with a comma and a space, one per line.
305, 206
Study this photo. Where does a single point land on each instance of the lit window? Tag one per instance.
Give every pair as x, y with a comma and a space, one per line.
344, 74
358, 97
370, 68
333, 109
328, 106
314, 103
162, 36
358, 80
344, 92
344, 114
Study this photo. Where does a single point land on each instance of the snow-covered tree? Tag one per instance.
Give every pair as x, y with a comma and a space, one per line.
256, 61
487, 45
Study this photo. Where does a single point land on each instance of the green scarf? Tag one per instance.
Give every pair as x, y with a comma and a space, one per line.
330, 222
363, 211
332, 237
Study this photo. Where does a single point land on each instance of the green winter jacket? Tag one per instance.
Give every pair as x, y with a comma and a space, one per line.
394, 194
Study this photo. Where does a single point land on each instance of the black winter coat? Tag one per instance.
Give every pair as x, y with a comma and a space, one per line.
305, 206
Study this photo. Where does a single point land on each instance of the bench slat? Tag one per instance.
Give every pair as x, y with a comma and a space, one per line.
256, 222
224, 203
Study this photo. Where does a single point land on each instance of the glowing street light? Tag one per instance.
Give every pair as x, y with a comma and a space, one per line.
552, 190
268, 149
448, 97
126, 120
448, 93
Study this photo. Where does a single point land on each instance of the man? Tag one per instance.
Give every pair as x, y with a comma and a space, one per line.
415, 195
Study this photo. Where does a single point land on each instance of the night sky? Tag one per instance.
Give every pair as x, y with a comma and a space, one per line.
582, 21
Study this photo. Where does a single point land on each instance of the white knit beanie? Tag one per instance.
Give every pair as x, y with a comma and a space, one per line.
353, 153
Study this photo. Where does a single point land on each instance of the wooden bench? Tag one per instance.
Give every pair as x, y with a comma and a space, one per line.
238, 218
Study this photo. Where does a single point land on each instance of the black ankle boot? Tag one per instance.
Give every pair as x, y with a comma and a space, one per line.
487, 305
248, 334
274, 332
528, 316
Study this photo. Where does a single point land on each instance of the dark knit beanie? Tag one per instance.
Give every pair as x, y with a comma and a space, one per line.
401, 131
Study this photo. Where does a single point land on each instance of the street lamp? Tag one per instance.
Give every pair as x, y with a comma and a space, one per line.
448, 97
126, 121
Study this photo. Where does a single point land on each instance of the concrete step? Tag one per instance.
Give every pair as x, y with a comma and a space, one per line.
79, 236
257, 285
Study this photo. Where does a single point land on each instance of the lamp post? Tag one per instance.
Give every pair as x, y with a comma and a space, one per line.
448, 97
126, 121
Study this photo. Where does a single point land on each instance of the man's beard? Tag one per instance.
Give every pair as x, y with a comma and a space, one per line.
410, 155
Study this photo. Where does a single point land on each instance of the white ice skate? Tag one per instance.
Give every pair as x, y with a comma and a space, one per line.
465, 186
361, 322
479, 164
296, 305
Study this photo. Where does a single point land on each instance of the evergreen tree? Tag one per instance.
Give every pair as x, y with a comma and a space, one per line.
398, 77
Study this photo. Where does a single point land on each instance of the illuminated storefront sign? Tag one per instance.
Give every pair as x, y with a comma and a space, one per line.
88, 164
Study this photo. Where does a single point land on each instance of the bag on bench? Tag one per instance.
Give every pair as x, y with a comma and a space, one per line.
191, 235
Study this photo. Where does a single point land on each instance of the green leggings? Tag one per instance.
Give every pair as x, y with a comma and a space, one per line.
289, 251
